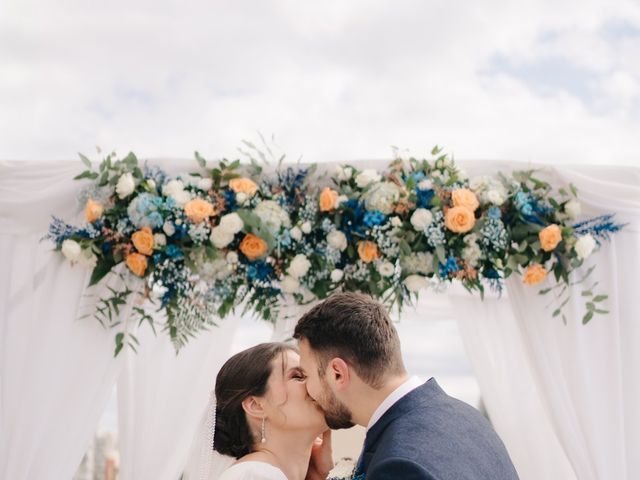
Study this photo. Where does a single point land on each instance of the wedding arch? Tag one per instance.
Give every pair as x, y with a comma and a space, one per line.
163, 253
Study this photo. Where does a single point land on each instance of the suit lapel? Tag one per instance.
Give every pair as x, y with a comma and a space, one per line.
410, 401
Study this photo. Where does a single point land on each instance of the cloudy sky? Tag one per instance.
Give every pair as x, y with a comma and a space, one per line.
537, 80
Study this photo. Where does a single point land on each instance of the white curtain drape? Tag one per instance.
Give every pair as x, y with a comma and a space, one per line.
588, 376
496, 351
581, 384
56, 371
161, 398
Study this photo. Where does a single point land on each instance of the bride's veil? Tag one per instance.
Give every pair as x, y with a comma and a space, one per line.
204, 463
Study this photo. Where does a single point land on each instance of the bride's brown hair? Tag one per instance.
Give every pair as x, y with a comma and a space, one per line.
243, 375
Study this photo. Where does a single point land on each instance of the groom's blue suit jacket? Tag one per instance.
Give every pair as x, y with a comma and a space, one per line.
429, 435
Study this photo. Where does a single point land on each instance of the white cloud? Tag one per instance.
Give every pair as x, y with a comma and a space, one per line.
333, 80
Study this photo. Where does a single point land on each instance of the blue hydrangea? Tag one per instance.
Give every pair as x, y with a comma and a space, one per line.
259, 271
451, 266
374, 218
285, 239
174, 252
143, 211
156, 219
418, 176
494, 213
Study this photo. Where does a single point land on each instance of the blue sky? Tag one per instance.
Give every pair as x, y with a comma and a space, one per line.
542, 80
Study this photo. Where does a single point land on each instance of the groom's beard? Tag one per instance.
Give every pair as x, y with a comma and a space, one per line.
336, 413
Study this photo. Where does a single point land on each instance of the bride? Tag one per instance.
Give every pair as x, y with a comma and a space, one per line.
266, 424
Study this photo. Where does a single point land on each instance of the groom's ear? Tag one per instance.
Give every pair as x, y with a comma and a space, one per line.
253, 407
339, 373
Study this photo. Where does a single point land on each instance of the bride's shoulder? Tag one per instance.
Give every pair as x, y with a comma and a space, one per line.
253, 470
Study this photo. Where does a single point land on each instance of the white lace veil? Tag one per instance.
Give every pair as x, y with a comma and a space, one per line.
204, 462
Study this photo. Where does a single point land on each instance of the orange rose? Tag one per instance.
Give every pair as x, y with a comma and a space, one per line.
253, 247
368, 251
534, 274
328, 199
137, 263
243, 185
550, 237
459, 219
93, 210
198, 210
463, 197
143, 241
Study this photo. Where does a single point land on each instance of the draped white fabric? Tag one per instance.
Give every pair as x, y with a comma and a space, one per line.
564, 398
56, 371
589, 376
161, 398
496, 351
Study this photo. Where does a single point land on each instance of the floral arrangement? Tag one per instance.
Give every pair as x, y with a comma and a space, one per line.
229, 235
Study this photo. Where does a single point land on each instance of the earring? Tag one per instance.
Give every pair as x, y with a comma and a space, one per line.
264, 439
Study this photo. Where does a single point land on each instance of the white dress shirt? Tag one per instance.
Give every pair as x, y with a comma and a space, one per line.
411, 384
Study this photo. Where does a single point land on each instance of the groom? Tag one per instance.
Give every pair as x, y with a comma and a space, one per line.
350, 353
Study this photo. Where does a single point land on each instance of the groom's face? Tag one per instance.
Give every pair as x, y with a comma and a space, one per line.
336, 413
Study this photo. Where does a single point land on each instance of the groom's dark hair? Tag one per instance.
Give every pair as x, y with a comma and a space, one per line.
356, 328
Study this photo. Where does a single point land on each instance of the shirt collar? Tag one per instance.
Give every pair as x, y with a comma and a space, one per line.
411, 384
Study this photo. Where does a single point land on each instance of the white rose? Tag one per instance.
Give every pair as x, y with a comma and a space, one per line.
386, 269
272, 215
232, 257
425, 184
396, 222
337, 240
220, 237
573, 208
181, 198
126, 185
71, 250
299, 266
415, 283
159, 240
382, 197
337, 275
472, 253
471, 238
495, 197
478, 183
205, 184
585, 246
151, 184
289, 284
421, 219
366, 177
306, 227
296, 234
436, 174
169, 228
232, 223
343, 173
88, 258
172, 187
241, 198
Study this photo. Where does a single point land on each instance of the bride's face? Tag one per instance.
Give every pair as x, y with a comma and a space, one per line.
288, 404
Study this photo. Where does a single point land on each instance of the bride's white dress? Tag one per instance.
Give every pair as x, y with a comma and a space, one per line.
253, 471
